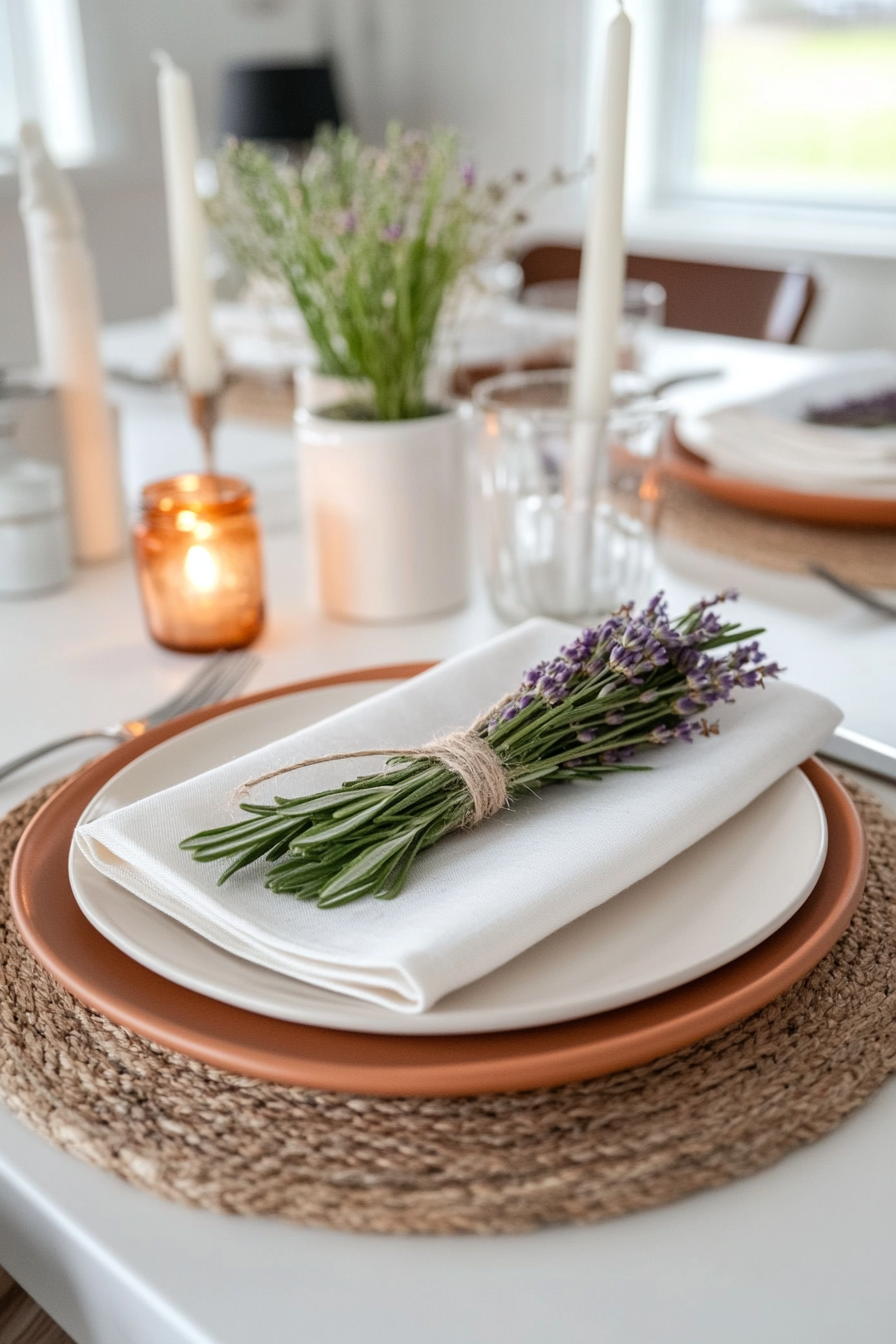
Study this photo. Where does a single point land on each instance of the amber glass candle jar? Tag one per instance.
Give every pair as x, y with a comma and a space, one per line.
199, 563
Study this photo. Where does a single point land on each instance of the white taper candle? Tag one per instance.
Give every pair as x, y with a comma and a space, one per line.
603, 257
200, 366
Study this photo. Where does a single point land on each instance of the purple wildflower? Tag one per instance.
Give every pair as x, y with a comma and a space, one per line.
393, 232
468, 174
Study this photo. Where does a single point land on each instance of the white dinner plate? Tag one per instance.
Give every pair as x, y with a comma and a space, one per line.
709, 905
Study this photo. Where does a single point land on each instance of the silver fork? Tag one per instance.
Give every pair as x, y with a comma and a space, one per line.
219, 678
853, 590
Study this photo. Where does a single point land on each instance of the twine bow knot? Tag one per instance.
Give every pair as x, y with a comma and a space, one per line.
463, 751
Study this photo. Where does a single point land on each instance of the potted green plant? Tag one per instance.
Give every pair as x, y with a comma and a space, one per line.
371, 241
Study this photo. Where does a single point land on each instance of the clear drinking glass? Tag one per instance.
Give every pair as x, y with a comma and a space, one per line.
568, 506
643, 314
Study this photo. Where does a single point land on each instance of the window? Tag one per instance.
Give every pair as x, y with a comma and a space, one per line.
43, 78
783, 102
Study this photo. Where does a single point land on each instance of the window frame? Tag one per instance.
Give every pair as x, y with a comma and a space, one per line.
676, 70
27, 65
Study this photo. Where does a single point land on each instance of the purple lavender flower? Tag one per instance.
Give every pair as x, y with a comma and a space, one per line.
393, 232
468, 174
349, 222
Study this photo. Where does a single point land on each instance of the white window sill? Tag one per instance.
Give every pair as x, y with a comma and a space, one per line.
711, 229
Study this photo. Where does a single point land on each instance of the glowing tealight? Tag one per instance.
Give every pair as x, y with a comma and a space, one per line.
199, 563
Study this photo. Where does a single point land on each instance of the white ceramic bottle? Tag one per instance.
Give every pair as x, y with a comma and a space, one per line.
67, 319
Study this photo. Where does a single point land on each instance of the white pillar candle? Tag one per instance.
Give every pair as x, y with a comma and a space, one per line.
603, 257
66, 315
200, 366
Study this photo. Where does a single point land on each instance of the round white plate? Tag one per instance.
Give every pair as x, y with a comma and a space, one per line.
710, 904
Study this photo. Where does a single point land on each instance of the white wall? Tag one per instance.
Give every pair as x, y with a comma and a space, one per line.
510, 74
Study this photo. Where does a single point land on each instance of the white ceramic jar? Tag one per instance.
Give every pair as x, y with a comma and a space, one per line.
34, 543
384, 506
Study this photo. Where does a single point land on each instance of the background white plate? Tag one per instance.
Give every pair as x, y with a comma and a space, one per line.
709, 905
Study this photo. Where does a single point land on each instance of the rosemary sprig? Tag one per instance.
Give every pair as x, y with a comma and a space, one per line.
637, 681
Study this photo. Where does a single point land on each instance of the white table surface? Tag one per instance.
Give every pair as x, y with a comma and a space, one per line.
800, 1254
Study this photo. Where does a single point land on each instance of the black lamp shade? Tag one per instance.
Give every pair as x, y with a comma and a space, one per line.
281, 104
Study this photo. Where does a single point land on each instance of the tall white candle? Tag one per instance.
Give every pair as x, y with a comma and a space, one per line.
603, 257
66, 315
187, 237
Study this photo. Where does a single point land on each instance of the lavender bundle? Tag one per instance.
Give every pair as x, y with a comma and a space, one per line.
872, 412
636, 682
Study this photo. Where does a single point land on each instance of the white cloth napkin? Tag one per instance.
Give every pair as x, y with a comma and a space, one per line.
478, 898
768, 439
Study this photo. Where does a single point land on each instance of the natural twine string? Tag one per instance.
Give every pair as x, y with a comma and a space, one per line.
464, 752
724, 1108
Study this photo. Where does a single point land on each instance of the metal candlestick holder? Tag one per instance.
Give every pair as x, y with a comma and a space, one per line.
204, 412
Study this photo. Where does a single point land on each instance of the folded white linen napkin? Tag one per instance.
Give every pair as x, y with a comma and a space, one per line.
769, 439
477, 898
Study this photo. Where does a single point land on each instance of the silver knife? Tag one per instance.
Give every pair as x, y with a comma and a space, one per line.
863, 752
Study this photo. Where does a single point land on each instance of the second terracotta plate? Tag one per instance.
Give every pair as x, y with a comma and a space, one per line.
231, 1038
831, 510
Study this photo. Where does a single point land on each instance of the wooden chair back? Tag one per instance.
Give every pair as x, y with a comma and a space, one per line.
701, 296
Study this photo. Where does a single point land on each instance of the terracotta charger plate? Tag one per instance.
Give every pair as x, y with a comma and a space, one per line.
681, 464
234, 1039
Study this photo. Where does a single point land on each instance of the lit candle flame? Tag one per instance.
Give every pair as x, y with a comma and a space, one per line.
200, 569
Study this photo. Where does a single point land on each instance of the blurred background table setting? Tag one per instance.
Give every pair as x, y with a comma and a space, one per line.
509, 563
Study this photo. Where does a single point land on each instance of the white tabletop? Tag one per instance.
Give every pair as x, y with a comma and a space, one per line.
796, 1254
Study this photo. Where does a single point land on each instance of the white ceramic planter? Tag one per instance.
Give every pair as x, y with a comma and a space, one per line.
384, 505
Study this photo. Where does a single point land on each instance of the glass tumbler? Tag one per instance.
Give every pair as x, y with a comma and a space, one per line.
198, 557
643, 314
568, 506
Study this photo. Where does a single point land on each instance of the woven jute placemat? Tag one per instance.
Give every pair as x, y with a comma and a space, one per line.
728, 1106
865, 556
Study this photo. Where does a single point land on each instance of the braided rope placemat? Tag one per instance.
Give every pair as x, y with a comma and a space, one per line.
723, 1108
861, 555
